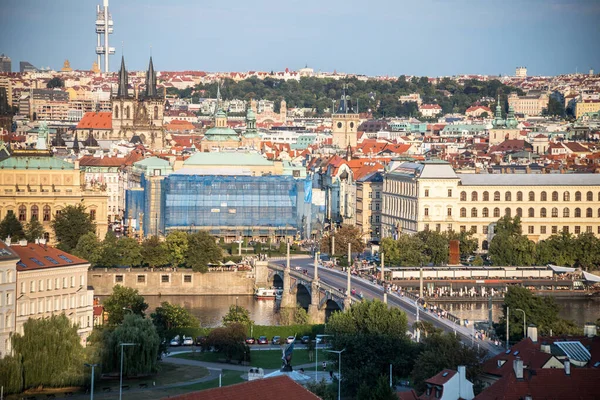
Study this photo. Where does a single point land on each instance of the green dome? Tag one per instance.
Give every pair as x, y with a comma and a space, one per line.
250, 114
220, 114
220, 134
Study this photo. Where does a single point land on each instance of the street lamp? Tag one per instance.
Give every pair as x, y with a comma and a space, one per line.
92, 366
317, 353
121, 374
339, 353
524, 322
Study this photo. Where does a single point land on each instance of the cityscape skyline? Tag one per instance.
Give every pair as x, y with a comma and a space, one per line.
209, 37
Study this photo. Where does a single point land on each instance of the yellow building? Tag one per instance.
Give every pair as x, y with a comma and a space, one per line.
586, 106
34, 184
532, 104
8, 288
345, 124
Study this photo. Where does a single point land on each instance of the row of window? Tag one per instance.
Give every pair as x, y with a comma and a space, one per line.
127, 112
566, 196
163, 279
6, 299
50, 304
554, 229
46, 213
485, 212
49, 284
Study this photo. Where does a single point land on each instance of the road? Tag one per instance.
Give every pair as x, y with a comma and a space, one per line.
370, 290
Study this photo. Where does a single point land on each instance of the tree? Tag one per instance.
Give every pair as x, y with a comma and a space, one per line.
169, 316
123, 298
141, 359
154, 252
229, 340
129, 252
587, 248
344, 235
55, 82
468, 244
11, 226
50, 351
406, 251
381, 390
202, 250
71, 224
374, 336
237, 315
436, 246
559, 249
89, 248
509, 246
293, 316
555, 107
177, 246
11, 374
109, 254
324, 390
34, 230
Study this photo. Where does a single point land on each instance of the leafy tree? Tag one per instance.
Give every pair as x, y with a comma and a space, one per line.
109, 254
141, 359
11, 374
202, 250
559, 249
436, 246
509, 246
381, 390
71, 224
406, 251
177, 246
293, 316
11, 226
325, 391
587, 247
555, 108
50, 351
237, 315
129, 252
154, 252
89, 248
229, 340
123, 298
445, 350
34, 230
478, 261
344, 235
468, 244
374, 336
55, 82
170, 316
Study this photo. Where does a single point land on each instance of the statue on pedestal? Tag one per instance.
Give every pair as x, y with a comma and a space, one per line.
287, 357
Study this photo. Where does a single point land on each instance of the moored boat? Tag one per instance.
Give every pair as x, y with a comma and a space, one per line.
265, 294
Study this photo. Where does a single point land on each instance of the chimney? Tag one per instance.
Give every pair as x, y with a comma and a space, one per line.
567, 367
23, 243
518, 368
8, 241
532, 333
589, 329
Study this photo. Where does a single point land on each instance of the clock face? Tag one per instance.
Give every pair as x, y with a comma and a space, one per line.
339, 124
351, 125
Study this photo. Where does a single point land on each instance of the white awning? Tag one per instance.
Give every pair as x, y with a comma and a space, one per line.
591, 277
558, 269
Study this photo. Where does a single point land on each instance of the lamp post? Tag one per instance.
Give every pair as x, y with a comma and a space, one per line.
92, 366
339, 353
121, 373
317, 353
524, 322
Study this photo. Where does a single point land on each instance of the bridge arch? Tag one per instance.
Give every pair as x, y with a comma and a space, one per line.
277, 281
303, 297
331, 306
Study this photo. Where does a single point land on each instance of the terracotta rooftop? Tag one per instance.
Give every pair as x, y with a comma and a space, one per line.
91, 161
37, 256
96, 120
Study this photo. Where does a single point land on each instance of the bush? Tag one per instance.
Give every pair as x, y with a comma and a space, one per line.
290, 330
11, 375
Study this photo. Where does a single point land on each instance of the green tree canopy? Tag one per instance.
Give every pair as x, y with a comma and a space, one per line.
155, 252
380, 391
34, 230
202, 250
109, 253
71, 224
406, 251
11, 226
55, 82
344, 235
509, 246
237, 315
435, 246
121, 298
177, 245
170, 316
229, 340
129, 252
89, 248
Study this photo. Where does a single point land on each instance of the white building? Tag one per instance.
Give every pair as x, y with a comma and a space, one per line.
8, 289
521, 72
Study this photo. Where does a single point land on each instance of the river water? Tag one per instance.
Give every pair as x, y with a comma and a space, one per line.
210, 309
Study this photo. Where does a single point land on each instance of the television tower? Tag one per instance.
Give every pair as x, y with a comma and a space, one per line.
104, 26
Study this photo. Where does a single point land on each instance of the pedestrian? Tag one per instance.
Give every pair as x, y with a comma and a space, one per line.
330, 374
324, 366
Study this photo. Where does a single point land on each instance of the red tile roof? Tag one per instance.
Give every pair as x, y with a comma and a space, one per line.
440, 379
280, 387
46, 256
96, 120
91, 161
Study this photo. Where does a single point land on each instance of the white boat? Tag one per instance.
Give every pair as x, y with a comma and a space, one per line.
265, 294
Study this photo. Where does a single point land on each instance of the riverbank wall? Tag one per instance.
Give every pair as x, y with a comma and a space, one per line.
174, 281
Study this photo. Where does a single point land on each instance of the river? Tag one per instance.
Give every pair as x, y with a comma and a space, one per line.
210, 309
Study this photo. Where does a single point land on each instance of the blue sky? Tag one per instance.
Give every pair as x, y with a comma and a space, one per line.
374, 37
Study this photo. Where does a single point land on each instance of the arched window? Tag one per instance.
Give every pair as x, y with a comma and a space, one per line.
496, 196
155, 112
577, 196
578, 212
35, 212
473, 196
555, 196
543, 196
127, 112
588, 213
484, 245
531, 212
543, 213
589, 196
116, 111
496, 212
519, 196
486, 196
507, 196
485, 212
507, 211
531, 196
46, 213
463, 196
566, 196
463, 212
554, 212
22, 213
566, 212
519, 212
473, 212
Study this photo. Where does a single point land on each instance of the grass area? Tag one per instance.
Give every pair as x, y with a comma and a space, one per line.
228, 377
267, 359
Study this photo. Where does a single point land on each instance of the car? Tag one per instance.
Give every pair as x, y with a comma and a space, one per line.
176, 341
276, 339
250, 340
321, 339
188, 341
200, 341
297, 268
290, 339
263, 340
305, 339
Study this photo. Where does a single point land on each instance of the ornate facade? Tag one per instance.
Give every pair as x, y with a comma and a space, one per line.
345, 124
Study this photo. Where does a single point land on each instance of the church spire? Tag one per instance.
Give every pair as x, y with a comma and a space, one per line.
151, 81
123, 90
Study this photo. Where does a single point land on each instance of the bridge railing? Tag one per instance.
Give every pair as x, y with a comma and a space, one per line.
448, 316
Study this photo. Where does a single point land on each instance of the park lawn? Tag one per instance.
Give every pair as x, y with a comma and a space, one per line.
267, 359
229, 377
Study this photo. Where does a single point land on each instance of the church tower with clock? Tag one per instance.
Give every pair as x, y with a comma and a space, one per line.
345, 123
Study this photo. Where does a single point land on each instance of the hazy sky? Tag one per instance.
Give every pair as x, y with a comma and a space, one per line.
373, 37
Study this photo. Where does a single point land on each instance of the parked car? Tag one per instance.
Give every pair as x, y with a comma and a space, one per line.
321, 340
188, 341
176, 341
305, 339
250, 340
276, 339
200, 341
263, 340
290, 339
